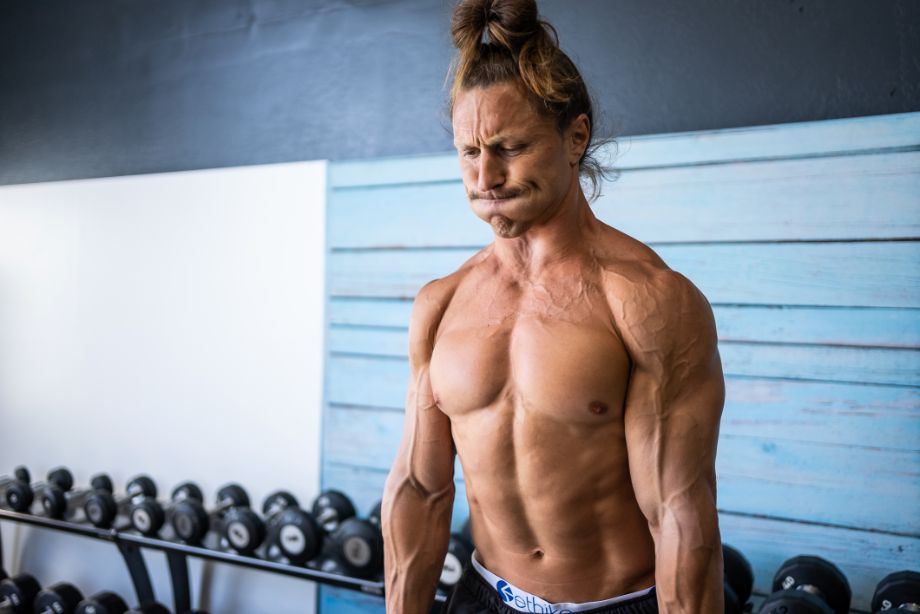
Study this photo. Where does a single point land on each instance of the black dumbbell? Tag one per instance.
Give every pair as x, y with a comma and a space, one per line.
104, 602
738, 580
17, 593
898, 591
808, 585
332, 507
293, 534
191, 522
102, 507
20, 494
357, 547
147, 515
61, 504
150, 608
242, 530
459, 554
60, 598
20, 474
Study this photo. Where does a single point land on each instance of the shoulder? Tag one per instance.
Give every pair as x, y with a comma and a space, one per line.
429, 307
659, 313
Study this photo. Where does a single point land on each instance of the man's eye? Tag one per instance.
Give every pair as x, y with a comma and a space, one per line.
470, 152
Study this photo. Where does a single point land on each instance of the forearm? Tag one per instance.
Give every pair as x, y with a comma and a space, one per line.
416, 531
688, 563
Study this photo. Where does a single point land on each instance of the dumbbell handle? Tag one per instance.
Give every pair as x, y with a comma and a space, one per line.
809, 588
73, 500
220, 508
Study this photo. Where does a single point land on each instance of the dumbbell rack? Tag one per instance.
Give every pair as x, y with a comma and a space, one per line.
130, 545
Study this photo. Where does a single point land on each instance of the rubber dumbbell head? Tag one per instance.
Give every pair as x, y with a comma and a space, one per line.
150, 608
20, 494
738, 580
191, 522
357, 546
898, 591
375, 516
105, 602
277, 502
459, 554
57, 503
102, 507
810, 585
331, 508
17, 593
243, 530
292, 533
20, 474
60, 598
147, 515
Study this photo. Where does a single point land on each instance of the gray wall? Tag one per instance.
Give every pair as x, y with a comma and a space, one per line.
103, 87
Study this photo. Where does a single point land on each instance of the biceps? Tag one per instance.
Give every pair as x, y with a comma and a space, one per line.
671, 444
426, 453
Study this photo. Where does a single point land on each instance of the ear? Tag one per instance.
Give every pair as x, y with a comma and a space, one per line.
578, 135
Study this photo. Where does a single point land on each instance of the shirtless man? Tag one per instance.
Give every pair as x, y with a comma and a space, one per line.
576, 376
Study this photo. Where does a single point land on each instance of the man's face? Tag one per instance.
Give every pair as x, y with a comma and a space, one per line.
517, 167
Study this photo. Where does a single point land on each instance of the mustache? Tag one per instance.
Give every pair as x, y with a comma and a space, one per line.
493, 195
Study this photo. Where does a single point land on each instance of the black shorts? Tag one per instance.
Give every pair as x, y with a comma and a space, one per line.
474, 595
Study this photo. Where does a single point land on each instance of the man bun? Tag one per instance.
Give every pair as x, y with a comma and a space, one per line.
508, 23
483, 29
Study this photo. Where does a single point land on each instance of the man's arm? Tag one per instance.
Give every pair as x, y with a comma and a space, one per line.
419, 493
673, 406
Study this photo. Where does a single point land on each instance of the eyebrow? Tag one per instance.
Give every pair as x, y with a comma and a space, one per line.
493, 141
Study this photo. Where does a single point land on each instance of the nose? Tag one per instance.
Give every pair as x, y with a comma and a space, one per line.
491, 171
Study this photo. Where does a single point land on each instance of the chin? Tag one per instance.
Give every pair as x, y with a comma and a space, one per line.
506, 228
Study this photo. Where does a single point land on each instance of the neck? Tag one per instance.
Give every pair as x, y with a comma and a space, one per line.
562, 234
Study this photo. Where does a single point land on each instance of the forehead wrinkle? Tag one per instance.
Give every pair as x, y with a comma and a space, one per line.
492, 115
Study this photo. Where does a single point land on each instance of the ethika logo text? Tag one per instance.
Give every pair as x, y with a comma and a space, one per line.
528, 603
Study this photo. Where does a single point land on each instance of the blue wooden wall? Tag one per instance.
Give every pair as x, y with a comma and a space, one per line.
806, 240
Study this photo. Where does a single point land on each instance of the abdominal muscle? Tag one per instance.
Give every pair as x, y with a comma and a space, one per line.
552, 508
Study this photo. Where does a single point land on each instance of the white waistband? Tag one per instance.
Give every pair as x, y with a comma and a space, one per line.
522, 601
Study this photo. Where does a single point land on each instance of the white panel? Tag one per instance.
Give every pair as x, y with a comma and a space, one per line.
169, 324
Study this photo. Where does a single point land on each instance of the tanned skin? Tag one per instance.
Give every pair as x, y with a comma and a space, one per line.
576, 376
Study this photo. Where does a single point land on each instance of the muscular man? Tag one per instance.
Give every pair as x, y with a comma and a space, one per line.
574, 374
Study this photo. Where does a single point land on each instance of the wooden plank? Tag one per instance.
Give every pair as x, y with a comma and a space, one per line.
806, 362
840, 198
870, 274
763, 475
817, 412
778, 324
370, 311
394, 170
367, 381
877, 327
899, 367
865, 557
799, 139
817, 483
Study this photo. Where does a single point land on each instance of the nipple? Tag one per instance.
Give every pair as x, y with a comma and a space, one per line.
598, 408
